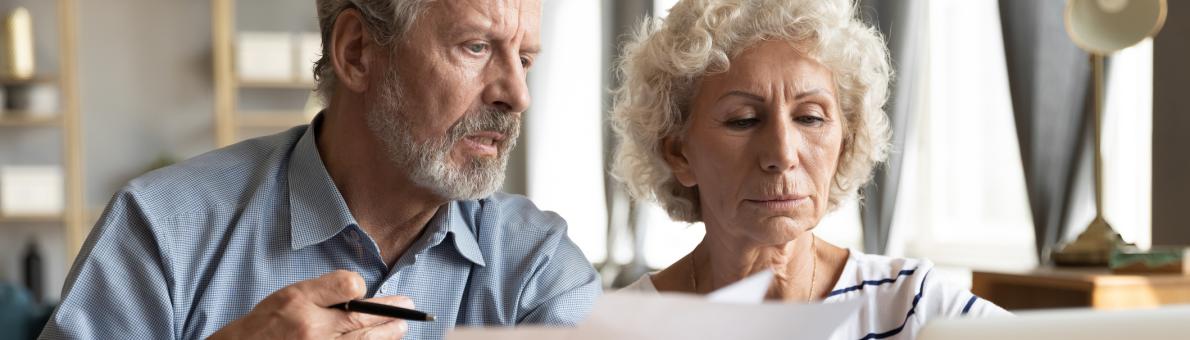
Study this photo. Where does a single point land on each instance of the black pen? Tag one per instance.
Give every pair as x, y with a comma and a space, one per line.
383, 310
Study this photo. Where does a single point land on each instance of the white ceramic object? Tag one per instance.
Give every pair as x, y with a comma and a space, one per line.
31, 190
265, 57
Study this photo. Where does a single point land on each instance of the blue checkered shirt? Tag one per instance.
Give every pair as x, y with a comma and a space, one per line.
183, 251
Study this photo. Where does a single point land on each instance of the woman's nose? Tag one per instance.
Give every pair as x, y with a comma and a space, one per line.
779, 148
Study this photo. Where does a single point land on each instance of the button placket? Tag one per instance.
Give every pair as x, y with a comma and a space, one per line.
389, 285
357, 248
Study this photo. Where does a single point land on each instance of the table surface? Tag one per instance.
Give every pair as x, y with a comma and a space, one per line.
1082, 276
1049, 287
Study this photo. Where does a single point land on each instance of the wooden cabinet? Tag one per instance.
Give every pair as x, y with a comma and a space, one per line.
1082, 287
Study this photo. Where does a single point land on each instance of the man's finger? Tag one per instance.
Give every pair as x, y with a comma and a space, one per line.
394, 329
335, 287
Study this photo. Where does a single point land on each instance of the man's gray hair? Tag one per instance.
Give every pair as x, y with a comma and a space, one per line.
384, 19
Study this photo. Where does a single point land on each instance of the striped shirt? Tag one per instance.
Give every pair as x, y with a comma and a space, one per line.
898, 296
183, 251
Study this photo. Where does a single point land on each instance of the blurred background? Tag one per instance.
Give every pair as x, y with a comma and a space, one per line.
991, 109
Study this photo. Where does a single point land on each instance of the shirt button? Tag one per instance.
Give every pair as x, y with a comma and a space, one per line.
353, 236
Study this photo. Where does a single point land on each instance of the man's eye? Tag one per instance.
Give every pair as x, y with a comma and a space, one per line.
477, 47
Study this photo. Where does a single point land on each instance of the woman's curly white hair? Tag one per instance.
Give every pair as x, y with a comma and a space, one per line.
662, 64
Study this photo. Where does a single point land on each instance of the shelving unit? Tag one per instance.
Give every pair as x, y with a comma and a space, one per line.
25, 119
32, 219
74, 217
230, 119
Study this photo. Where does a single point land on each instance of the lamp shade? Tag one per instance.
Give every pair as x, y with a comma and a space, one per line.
1106, 26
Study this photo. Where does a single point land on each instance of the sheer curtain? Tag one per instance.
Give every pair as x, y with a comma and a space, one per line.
563, 140
902, 23
963, 199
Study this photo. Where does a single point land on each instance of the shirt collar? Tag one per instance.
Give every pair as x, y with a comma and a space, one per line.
318, 211
316, 208
461, 222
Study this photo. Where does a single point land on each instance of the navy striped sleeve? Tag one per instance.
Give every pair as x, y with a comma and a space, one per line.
970, 302
912, 310
903, 273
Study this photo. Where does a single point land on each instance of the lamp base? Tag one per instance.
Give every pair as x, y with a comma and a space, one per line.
1093, 247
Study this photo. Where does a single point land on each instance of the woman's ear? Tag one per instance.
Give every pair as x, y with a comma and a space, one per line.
351, 51
673, 151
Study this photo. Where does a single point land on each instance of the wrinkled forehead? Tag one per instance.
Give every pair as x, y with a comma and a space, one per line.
504, 19
767, 63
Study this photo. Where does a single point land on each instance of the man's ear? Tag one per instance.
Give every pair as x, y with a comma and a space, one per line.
673, 151
352, 51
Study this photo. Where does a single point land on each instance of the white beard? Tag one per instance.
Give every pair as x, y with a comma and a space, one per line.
428, 162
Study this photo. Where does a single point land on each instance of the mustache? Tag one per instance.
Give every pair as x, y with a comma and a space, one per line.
487, 119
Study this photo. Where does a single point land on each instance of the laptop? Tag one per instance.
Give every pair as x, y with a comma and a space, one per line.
1170, 322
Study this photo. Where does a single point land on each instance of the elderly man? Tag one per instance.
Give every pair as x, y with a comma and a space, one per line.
386, 196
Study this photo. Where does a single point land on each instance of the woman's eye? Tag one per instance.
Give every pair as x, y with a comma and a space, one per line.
811, 115
810, 120
742, 123
525, 61
477, 47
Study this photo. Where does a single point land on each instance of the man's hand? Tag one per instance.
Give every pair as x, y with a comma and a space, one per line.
300, 311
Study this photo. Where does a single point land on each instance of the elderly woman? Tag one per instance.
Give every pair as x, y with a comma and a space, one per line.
757, 117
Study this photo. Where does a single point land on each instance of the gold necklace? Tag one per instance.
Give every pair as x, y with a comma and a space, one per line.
813, 269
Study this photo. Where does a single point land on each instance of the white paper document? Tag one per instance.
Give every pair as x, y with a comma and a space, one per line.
733, 314
749, 290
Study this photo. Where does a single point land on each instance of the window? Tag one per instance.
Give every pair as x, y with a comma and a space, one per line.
963, 200
563, 134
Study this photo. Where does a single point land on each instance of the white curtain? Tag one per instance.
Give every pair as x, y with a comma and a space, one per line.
963, 191
563, 128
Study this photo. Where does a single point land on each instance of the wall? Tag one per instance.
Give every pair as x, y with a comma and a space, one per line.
1171, 121
146, 90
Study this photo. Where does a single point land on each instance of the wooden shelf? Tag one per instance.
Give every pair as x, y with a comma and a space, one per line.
271, 119
230, 120
26, 119
32, 219
31, 81
296, 85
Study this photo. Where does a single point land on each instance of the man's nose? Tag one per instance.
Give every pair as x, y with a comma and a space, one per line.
508, 89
